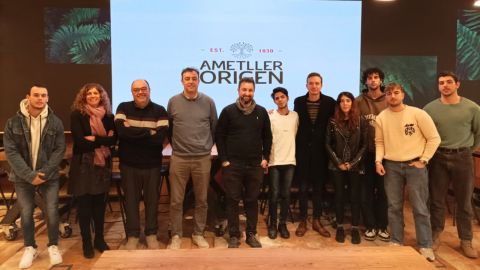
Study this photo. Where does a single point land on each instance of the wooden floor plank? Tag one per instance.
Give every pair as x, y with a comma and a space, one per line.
358, 258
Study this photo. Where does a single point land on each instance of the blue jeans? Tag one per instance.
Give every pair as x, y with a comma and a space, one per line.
281, 178
397, 176
25, 196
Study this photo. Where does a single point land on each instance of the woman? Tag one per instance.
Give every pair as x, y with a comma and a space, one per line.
93, 137
346, 143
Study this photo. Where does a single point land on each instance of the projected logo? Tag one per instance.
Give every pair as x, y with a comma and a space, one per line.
241, 50
228, 71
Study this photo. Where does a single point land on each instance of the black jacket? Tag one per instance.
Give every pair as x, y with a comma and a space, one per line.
246, 138
345, 146
80, 126
310, 140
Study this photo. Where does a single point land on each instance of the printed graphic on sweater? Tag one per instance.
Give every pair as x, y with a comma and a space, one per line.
409, 129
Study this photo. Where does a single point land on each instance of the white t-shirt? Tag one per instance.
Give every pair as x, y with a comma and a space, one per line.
284, 129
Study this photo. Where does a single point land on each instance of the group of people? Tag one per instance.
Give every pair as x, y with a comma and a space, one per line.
373, 144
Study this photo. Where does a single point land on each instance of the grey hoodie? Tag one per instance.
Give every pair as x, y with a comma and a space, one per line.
36, 126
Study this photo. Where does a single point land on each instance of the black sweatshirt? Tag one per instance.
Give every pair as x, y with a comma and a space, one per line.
137, 147
240, 137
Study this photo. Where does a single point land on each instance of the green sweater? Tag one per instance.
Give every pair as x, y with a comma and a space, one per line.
458, 124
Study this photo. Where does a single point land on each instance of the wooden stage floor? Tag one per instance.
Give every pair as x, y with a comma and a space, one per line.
358, 258
309, 252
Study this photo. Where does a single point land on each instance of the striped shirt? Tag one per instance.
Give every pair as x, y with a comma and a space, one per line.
138, 147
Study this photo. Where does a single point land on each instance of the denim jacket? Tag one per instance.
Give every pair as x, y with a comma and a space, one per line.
17, 143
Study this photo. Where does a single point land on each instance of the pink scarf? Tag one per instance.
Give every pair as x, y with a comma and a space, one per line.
96, 116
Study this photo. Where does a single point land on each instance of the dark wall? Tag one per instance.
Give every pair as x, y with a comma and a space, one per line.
22, 58
416, 28
404, 27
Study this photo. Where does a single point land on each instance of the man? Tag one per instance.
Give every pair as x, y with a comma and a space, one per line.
193, 117
34, 147
142, 127
314, 109
458, 122
281, 168
374, 201
244, 140
405, 140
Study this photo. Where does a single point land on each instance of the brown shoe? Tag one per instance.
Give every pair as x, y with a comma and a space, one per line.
317, 226
301, 229
468, 249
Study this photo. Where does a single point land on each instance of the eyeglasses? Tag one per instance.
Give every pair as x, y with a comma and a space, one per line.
138, 90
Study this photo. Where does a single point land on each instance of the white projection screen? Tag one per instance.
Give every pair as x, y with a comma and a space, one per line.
276, 42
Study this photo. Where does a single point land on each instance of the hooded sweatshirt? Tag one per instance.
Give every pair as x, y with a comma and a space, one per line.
369, 108
36, 125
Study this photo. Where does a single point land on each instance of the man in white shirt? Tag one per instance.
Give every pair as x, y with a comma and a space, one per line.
281, 168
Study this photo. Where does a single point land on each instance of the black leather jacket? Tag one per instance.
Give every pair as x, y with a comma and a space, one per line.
345, 146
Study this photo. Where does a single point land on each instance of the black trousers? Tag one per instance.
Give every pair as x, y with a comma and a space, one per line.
374, 199
352, 179
242, 181
91, 207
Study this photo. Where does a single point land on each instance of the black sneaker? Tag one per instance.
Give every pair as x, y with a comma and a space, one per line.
282, 229
252, 241
233, 242
355, 237
340, 235
272, 231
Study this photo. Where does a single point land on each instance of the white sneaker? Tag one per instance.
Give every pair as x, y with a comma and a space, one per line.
384, 235
152, 242
131, 243
200, 241
370, 235
55, 255
428, 254
394, 244
29, 254
176, 242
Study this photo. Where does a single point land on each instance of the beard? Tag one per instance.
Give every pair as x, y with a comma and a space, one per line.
246, 100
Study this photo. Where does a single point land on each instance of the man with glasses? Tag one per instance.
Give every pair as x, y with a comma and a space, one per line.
142, 128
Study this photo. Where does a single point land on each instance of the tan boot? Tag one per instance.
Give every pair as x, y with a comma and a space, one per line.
468, 249
317, 226
301, 229
131, 243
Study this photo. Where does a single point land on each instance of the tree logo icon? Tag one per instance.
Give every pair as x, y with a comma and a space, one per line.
241, 50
